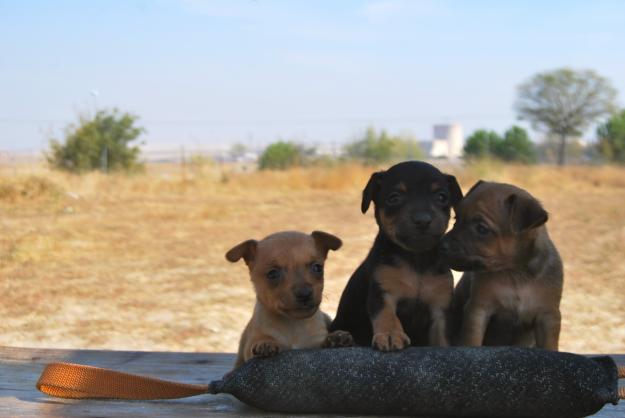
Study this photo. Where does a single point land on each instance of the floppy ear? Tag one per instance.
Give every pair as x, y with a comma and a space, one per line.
454, 190
245, 250
371, 189
475, 186
525, 213
326, 242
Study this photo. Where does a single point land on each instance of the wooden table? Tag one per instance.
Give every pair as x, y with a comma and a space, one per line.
20, 368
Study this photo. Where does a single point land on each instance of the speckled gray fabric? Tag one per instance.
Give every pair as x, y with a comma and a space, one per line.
459, 381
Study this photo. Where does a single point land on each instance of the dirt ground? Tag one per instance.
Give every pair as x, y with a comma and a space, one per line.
137, 262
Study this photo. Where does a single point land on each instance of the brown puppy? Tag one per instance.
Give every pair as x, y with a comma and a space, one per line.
511, 289
286, 269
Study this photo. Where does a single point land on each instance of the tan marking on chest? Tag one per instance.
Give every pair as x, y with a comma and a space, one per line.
402, 282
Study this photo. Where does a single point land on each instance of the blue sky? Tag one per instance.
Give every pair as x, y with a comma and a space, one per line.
206, 73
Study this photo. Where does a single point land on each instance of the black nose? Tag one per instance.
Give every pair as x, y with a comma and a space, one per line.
421, 219
303, 294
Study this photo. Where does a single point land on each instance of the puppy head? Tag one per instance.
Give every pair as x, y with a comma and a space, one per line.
412, 203
286, 269
495, 227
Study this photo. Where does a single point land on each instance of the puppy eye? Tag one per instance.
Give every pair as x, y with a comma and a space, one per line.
394, 198
274, 274
317, 268
442, 198
482, 229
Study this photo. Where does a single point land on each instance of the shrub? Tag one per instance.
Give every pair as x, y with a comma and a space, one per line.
99, 142
482, 143
281, 155
514, 146
375, 148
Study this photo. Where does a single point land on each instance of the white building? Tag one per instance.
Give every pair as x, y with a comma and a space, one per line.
447, 142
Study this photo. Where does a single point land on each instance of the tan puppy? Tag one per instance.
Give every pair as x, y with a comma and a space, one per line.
511, 289
286, 269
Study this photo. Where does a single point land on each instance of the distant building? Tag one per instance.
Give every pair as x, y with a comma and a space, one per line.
447, 142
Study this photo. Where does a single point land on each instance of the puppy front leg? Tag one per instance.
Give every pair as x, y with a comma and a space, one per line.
547, 330
474, 324
388, 333
338, 338
438, 328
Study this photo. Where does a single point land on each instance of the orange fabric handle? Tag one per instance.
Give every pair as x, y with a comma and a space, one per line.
75, 381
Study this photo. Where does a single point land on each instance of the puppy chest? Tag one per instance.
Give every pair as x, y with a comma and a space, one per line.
522, 302
403, 283
307, 334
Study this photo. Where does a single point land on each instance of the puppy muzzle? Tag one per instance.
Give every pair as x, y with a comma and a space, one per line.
456, 256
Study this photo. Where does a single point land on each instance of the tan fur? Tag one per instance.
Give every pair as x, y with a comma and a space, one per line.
389, 226
507, 293
388, 334
399, 282
279, 321
282, 332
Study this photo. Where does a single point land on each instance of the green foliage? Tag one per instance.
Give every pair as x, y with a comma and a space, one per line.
101, 142
281, 155
375, 148
482, 143
612, 138
564, 102
514, 146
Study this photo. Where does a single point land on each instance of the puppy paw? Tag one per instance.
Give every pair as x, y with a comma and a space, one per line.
265, 349
338, 339
390, 341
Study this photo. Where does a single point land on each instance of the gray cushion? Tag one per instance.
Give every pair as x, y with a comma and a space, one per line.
458, 381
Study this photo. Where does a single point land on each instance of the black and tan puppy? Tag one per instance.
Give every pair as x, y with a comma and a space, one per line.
511, 289
400, 293
286, 269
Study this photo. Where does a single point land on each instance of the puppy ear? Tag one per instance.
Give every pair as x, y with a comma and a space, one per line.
245, 250
326, 242
454, 190
475, 186
371, 189
525, 212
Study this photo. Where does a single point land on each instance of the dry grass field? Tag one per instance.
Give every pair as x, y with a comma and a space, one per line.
137, 262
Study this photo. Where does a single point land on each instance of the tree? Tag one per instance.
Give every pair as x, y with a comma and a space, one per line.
564, 102
99, 142
281, 155
547, 150
376, 148
482, 143
516, 146
612, 138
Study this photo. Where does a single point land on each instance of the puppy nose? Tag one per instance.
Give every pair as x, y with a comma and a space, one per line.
421, 219
303, 294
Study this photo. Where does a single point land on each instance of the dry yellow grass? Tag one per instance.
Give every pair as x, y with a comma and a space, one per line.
137, 262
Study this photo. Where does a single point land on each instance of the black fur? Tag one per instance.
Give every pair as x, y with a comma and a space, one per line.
417, 247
